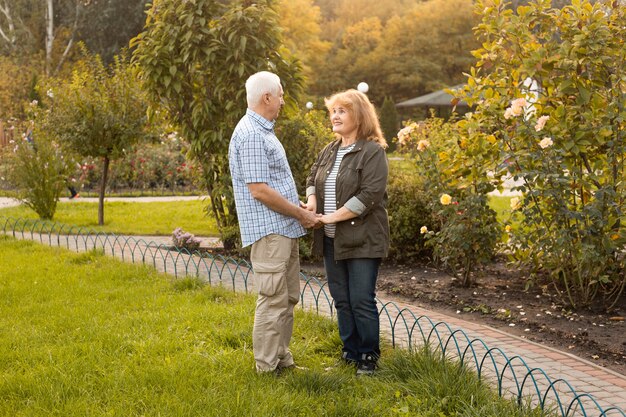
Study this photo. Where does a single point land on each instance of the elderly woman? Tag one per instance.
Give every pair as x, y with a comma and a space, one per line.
347, 186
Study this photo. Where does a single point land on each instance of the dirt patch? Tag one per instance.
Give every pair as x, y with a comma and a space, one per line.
500, 299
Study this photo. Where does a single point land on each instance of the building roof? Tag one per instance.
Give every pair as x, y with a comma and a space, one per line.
436, 99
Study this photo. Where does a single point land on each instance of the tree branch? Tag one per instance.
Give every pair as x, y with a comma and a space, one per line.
71, 41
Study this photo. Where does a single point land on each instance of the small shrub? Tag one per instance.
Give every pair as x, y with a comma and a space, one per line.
39, 172
185, 240
408, 212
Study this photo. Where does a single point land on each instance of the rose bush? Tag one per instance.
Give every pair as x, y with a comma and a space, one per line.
549, 89
453, 161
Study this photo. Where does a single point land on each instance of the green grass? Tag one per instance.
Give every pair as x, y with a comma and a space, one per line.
86, 335
502, 207
157, 218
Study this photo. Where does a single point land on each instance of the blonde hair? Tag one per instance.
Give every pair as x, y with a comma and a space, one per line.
362, 110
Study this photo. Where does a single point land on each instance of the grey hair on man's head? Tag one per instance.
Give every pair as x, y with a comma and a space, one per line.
261, 83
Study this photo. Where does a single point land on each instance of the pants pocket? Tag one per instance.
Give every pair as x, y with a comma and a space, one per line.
269, 277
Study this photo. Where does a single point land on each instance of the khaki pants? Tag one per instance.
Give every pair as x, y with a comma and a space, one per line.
276, 263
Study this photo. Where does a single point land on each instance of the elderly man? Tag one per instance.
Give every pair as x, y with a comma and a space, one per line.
270, 219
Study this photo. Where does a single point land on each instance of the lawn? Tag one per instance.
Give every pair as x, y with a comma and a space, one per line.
155, 218
83, 334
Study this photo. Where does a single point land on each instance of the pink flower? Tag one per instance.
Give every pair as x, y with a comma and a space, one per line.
541, 122
546, 142
422, 144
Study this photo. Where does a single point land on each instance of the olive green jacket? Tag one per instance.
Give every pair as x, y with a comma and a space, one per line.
361, 187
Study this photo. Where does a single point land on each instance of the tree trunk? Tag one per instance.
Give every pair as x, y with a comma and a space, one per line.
103, 184
49, 34
10, 36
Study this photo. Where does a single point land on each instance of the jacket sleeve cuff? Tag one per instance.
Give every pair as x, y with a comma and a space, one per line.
355, 206
310, 191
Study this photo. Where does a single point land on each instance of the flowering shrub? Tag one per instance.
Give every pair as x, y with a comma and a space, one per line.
453, 162
38, 170
549, 89
155, 166
185, 240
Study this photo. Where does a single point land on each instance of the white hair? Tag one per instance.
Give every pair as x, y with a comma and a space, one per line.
261, 83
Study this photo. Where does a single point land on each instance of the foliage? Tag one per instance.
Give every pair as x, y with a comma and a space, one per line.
154, 166
549, 89
404, 51
389, 121
185, 240
195, 58
303, 135
106, 27
128, 218
39, 171
454, 162
300, 21
16, 76
409, 210
99, 113
125, 337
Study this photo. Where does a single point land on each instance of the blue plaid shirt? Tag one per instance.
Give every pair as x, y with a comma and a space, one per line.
256, 155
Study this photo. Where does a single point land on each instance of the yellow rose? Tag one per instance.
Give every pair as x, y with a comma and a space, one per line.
508, 228
424, 230
515, 203
445, 199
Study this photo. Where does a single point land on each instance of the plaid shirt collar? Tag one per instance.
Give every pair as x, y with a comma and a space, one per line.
265, 124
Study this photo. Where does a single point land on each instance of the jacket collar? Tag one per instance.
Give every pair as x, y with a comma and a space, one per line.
358, 145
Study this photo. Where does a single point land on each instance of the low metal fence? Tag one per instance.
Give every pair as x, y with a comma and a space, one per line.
530, 386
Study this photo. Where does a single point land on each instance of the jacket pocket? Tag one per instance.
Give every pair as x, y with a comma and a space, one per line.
356, 233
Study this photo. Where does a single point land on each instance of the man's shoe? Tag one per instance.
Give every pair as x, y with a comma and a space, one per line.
290, 368
366, 366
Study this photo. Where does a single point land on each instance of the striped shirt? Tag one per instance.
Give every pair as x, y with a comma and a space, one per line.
256, 156
330, 189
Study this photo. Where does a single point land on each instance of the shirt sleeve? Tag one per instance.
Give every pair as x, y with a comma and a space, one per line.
373, 183
254, 160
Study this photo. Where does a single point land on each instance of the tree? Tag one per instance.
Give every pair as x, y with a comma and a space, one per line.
195, 57
422, 47
300, 21
389, 121
106, 27
99, 113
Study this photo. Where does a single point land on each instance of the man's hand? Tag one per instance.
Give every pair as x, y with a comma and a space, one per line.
309, 219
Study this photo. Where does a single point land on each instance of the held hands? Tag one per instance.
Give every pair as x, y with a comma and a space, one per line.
312, 219
309, 219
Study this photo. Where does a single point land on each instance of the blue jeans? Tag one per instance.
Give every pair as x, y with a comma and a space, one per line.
352, 284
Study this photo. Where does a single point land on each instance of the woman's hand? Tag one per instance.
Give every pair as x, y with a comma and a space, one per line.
311, 204
327, 219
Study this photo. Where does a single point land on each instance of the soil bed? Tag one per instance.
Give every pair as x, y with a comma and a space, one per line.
500, 299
